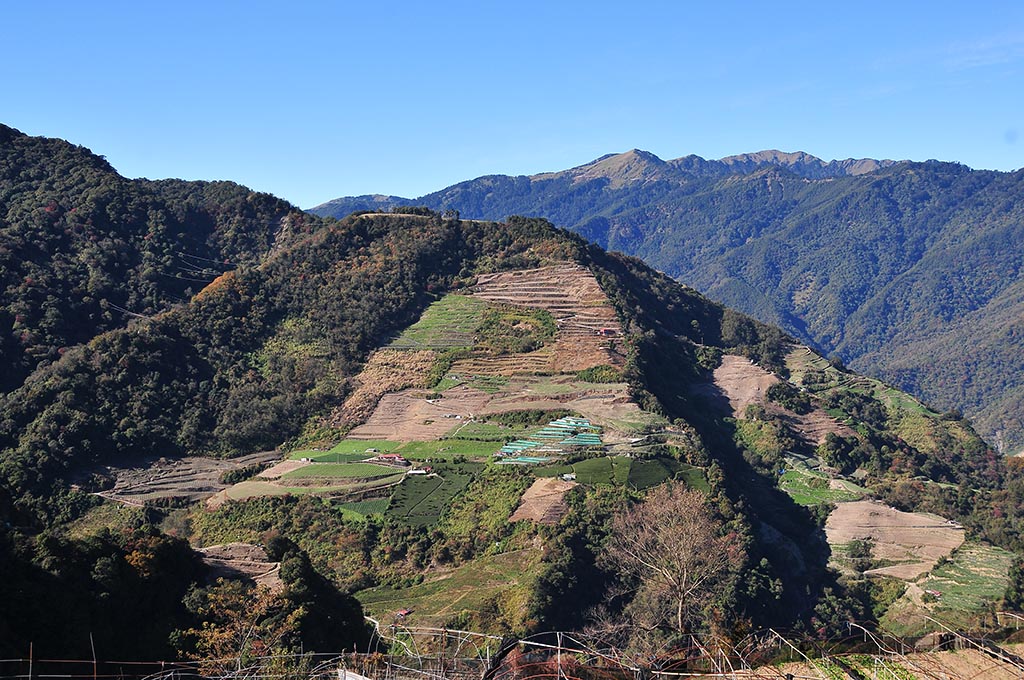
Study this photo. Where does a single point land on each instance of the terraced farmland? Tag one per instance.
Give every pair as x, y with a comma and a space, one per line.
420, 500
588, 328
449, 323
620, 470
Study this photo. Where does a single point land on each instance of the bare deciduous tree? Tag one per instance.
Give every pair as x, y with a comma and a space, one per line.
671, 546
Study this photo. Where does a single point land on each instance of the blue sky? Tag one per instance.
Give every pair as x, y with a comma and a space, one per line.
313, 100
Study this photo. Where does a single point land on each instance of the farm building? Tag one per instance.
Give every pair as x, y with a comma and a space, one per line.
391, 459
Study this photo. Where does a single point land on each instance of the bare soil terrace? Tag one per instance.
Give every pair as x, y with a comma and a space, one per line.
409, 416
193, 478
914, 541
387, 370
589, 333
543, 502
232, 560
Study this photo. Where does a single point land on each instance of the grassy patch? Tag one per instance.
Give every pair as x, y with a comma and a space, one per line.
604, 470
968, 585
515, 330
107, 515
492, 432
360, 446
345, 451
490, 384
974, 578
811, 488
328, 457
487, 504
447, 449
645, 473
254, 489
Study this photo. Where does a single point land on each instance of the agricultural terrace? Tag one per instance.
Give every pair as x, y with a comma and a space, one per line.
505, 580
907, 417
449, 323
739, 383
625, 471
534, 342
812, 487
961, 589
420, 500
908, 544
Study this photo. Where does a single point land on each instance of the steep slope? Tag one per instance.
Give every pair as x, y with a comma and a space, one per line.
271, 352
880, 263
83, 250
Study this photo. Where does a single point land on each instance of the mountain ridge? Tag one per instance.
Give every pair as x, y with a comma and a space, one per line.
828, 250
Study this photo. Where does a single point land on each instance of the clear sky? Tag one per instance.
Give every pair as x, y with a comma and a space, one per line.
314, 100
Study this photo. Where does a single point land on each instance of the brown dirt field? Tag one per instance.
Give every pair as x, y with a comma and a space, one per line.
194, 478
741, 383
234, 560
812, 427
540, 361
408, 416
282, 468
960, 664
387, 370
572, 295
915, 540
543, 502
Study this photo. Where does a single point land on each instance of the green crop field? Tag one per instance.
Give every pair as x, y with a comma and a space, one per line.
973, 579
362, 509
493, 432
350, 470
490, 384
420, 500
605, 470
449, 323
361, 445
328, 457
639, 474
446, 449
964, 590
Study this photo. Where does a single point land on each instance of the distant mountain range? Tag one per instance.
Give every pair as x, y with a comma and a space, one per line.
909, 271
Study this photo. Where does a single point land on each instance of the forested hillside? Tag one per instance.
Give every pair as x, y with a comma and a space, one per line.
83, 250
492, 409
907, 271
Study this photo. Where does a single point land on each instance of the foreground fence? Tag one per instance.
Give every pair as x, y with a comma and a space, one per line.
411, 653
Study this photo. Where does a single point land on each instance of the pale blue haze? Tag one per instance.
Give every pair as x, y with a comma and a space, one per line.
315, 100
